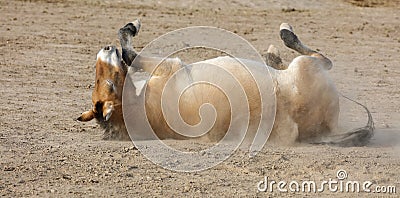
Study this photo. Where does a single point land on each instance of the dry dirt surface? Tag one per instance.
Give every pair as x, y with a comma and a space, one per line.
47, 53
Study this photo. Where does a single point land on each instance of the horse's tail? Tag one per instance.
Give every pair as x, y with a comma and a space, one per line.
355, 137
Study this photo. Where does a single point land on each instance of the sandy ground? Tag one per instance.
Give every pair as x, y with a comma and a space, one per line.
47, 52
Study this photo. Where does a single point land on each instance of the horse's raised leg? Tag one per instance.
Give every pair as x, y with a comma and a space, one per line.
273, 58
292, 41
125, 35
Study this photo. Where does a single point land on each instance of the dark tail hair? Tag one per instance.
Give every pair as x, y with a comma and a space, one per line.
355, 137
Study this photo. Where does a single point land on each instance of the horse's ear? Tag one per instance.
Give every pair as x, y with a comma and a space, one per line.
86, 116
